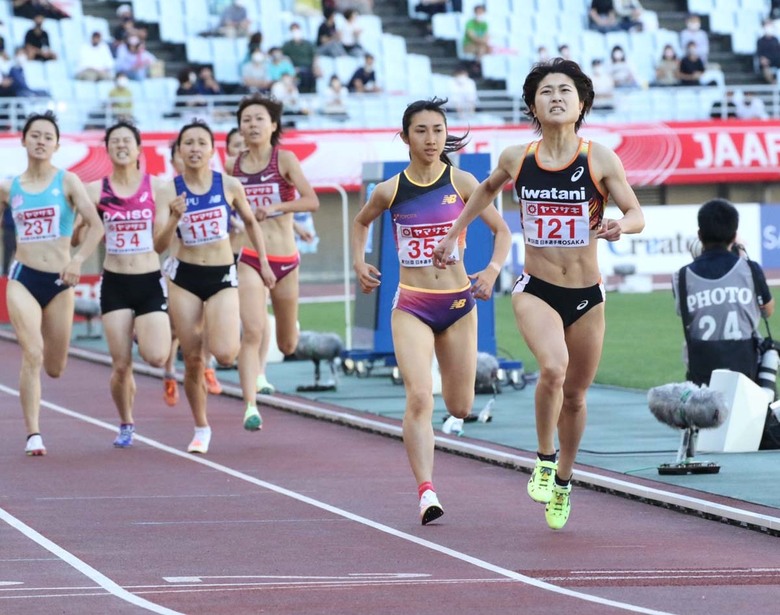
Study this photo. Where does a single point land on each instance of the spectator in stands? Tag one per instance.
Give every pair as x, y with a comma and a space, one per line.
667, 71
542, 54
120, 99
279, 64
207, 85
328, 42
364, 80
125, 27
602, 16
254, 74
691, 66
694, 34
31, 8
334, 98
768, 52
564, 51
724, 108
187, 88
286, 92
751, 107
95, 60
622, 72
255, 43
463, 93
133, 59
7, 89
234, 20
302, 54
431, 7
603, 86
36, 42
349, 33
3, 53
18, 80
629, 13
476, 38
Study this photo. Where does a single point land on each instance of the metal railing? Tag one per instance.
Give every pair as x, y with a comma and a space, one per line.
378, 110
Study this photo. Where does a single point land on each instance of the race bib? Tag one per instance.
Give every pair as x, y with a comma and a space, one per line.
129, 237
562, 225
417, 243
263, 196
37, 224
204, 226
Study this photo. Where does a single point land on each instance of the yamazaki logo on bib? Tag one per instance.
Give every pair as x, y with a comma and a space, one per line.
417, 243
563, 225
38, 224
204, 226
125, 237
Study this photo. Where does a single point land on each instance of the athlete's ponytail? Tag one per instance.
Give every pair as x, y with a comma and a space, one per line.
453, 143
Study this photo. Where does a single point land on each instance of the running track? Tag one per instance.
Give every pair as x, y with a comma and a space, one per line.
310, 517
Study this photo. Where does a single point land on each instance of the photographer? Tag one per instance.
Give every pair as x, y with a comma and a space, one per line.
722, 296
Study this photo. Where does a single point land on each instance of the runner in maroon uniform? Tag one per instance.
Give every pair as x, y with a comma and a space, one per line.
271, 177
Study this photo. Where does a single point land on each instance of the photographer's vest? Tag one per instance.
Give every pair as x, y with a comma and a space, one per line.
720, 320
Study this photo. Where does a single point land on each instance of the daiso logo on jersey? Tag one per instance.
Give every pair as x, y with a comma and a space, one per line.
130, 214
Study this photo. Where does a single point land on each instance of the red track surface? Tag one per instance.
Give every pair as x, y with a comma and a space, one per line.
308, 517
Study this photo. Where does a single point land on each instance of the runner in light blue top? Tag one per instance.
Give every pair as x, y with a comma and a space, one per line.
40, 296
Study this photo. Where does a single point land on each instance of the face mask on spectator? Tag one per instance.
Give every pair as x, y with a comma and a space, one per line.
769, 30
258, 57
121, 82
193, 77
296, 34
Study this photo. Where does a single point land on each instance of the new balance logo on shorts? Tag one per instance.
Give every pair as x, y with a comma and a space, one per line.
458, 304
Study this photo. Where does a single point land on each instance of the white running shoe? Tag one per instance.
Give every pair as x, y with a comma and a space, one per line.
430, 508
200, 443
35, 447
453, 426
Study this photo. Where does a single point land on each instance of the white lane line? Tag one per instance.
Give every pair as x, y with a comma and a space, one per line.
88, 571
474, 561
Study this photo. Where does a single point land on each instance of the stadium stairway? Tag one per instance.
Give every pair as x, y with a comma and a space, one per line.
174, 55
737, 67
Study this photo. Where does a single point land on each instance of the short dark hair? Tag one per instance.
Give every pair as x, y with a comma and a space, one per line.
195, 123
718, 223
274, 108
230, 133
571, 69
124, 124
47, 116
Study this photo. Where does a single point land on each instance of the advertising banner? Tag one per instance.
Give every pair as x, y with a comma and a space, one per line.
653, 154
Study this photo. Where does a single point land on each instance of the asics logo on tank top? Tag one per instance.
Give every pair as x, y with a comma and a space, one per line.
143, 197
582, 305
577, 173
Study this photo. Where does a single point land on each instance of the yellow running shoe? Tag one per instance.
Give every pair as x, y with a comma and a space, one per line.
558, 508
540, 485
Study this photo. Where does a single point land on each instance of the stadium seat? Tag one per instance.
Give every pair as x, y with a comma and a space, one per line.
447, 26
226, 60
419, 75
198, 50
345, 67
146, 10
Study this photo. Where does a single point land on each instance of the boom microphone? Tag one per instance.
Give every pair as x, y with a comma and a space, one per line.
318, 346
686, 405
487, 372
